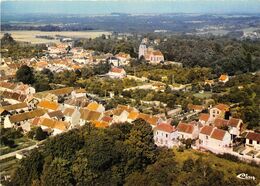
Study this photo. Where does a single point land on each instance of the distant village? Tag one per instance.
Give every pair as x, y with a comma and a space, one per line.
22, 107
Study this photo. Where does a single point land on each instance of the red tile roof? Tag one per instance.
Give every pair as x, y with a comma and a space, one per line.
222, 107
165, 127
186, 128
233, 122
207, 130
204, 117
253, 136
218, 134
117, 70
223, 77
107, 119
219, 122
152, 120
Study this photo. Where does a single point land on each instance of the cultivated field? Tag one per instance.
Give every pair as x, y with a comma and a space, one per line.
30, 36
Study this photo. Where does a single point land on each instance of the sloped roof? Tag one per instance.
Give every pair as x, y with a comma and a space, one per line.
7, 85
185, 127
218, 134
253, 136
222, 107
207, 130
61, 91
223, 77
219, 122
93, 106
68, 111
107, 119
126, 107
133, 115
80, 90
27, 115
152, 120
36, 121
48, 105
79, 102
233, 122
100, 124
61, 125
204, 117
13, 95
165, 127
15, 106
57, 114
89, 115
117, 70
118, 112
157, 53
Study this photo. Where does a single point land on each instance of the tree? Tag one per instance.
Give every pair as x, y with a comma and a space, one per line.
141, 150
207, 87
81, 170
29, 169
40, 134
188, 165
7, 39
25, 74
57, 173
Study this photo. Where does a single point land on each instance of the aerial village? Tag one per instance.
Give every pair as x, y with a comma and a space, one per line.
62, 109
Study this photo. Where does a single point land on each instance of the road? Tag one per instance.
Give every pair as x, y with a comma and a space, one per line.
14, 153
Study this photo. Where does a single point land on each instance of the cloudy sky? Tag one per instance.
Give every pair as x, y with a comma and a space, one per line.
129, 6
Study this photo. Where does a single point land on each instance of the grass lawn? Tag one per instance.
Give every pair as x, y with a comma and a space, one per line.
21, 143
205, 95
226, 166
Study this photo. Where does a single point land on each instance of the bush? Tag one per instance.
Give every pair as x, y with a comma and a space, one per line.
40, 134
229, 157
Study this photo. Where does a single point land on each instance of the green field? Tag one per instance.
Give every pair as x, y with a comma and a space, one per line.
30, 36
205, 95
21, 143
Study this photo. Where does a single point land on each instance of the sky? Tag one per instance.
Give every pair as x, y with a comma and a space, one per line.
128, 6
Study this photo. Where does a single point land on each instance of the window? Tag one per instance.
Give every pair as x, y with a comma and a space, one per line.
207, 137
166, 135
250, 141
214, 111
258, 142
157, 132
217, 112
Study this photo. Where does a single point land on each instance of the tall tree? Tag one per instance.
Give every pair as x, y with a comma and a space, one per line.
141, 149
29, 169
57, 173
7, 39
25, 74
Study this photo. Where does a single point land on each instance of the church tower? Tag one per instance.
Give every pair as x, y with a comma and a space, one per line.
142, 50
